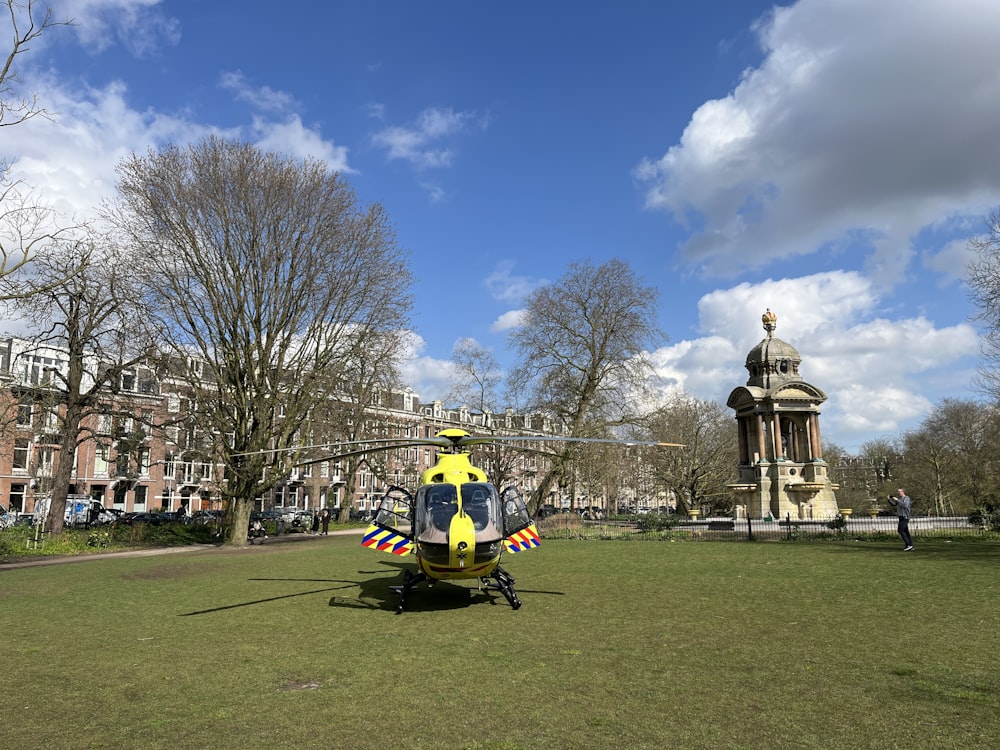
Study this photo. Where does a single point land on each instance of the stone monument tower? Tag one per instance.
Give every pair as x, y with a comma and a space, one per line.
782, 471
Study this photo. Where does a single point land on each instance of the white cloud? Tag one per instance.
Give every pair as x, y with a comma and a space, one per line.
878, 374
886, 409
865, 123
504, 285
509, 320
293, 138
419, 143
263, 98
71, 159
429, 378
951, 261
435, 193
138, 25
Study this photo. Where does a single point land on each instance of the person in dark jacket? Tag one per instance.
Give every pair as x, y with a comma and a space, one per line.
904, 509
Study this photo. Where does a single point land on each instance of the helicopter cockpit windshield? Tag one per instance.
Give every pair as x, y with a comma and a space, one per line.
436, 504
481, 502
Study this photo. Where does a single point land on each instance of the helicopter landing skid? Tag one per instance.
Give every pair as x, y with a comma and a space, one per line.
409, 583
503, 582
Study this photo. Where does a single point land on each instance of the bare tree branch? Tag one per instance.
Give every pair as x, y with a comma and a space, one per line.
266, 276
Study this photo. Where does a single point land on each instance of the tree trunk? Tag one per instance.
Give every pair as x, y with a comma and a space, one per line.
350, 484
63, 469
239, 529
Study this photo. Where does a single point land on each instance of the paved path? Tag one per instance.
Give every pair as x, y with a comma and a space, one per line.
30, 562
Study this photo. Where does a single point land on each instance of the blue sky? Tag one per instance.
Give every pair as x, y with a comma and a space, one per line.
829, 159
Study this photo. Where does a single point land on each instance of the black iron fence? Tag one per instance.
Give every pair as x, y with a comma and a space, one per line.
655, 527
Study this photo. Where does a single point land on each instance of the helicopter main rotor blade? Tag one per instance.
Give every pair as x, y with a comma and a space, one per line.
556, 439
381, 443
452, 438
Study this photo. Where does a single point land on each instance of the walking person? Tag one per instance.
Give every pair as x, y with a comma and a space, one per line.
324, 517
315, 524
904, 508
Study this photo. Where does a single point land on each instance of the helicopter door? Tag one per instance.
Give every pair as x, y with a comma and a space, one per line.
515, 512
394, 510
518, 527
388, 531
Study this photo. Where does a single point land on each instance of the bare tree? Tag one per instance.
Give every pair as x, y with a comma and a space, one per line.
983, 278
477, 384
478, 376
26, 22
27, 231
696, 474
25, 225
583, 348
264, 270
950, 459
93, 319
369, 374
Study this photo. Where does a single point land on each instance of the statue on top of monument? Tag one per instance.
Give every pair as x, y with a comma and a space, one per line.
770, 320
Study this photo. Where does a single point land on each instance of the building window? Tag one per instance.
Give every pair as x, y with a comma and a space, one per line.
104, 424
24, 413
101, 460
21, 451
37, 370
128, 380
50, 420
17, 498
46, 458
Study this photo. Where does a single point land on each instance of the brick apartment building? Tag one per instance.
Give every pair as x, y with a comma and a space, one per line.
139, 455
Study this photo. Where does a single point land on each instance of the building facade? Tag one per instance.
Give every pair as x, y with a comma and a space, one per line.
137, 454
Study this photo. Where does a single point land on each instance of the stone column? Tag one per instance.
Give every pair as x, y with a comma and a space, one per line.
779, 451
817, 445
761, 447
741, 430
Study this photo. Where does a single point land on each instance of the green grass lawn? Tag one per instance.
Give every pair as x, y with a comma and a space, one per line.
618, 645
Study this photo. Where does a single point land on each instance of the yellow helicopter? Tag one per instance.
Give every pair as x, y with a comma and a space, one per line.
458, 524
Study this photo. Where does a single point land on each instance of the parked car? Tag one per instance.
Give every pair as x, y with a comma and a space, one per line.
271, 514
108, 515
206, 516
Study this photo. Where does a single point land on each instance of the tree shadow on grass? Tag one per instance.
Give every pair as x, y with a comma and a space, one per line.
347, 584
